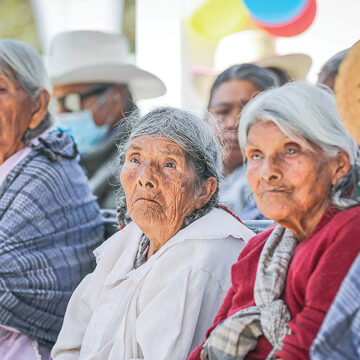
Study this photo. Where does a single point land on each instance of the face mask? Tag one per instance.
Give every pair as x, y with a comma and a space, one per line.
81, 126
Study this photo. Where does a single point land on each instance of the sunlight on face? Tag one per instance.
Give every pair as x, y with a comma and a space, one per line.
291, 182
159, 185
15, 115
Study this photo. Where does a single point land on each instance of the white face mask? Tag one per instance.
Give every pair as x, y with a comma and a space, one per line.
81, 126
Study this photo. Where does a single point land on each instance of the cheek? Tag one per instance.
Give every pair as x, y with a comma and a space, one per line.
127, 178
251, 176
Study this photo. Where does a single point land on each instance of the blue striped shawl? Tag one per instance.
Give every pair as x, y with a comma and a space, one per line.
49, 225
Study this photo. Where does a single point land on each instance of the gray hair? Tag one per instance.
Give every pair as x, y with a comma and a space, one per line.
308, 113
188, 131
27, 66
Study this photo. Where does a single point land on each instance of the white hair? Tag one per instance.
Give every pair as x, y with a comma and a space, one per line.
28, 68
307, 113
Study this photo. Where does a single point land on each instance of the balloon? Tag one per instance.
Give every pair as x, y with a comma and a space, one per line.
215, 19
297, 25
274, 12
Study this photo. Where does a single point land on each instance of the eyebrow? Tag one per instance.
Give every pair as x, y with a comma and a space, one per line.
168, 151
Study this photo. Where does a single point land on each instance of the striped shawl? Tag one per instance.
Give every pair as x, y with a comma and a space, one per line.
49, 225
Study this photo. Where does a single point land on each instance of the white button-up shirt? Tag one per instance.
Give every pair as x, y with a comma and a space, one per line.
162, 309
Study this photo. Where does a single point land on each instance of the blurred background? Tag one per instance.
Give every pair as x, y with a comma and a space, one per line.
173, 39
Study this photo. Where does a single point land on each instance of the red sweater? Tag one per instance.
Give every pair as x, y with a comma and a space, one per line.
316, 271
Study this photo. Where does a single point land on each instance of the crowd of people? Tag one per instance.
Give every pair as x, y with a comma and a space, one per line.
182, 277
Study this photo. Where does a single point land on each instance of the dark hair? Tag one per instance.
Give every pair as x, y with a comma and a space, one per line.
331, 67
282, 76
262, 78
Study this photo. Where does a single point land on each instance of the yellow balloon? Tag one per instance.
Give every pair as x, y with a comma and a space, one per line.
215, 19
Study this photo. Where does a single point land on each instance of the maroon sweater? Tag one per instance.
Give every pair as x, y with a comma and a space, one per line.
316, 271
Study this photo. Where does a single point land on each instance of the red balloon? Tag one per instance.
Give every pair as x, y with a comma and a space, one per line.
295, 26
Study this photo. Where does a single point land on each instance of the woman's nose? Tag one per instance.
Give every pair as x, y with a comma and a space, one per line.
270, 169
147, 177
232, 120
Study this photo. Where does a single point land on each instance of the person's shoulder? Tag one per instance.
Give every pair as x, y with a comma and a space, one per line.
346, 220
220, 223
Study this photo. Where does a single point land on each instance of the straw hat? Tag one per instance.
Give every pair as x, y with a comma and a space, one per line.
94, 56
249, 46
347, 92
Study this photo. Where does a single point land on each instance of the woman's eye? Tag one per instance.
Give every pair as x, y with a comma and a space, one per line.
291, 151
170, 165
255, 156
134, 160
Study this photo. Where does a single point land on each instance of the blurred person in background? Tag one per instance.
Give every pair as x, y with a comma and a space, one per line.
231, 91
49, 220
96, 87
330, 69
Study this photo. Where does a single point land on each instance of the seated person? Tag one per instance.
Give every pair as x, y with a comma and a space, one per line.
49, 220
303, 168
231, 91
339, 335
95, 90
159, 280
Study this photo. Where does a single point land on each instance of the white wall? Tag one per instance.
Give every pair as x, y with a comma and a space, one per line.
165, 46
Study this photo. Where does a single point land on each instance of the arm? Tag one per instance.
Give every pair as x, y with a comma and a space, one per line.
320, 291
176, 319
77, 317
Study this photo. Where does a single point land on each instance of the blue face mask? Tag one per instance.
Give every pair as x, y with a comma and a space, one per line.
81, 126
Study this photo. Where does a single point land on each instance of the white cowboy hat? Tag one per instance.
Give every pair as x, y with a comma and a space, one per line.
249, 46
94, 56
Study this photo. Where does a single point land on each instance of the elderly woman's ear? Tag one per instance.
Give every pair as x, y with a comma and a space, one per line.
39, 108
340, 166
205, 192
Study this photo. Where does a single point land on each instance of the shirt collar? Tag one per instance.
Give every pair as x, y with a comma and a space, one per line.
119, 251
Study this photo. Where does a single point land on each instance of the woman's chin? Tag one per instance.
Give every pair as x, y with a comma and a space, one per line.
147, 214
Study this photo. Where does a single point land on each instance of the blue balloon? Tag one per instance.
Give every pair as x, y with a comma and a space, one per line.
274, 12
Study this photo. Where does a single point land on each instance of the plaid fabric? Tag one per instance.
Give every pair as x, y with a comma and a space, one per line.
49, 225
236, 336
339, 335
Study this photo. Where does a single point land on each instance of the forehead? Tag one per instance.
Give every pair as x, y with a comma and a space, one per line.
262, 132
7, 74
62, 90
156, 143
233, 91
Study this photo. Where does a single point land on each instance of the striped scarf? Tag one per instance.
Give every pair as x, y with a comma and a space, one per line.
236, 336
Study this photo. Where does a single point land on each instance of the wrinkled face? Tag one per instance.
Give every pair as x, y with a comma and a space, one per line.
290, 181
158, 182
226, 104
15, 115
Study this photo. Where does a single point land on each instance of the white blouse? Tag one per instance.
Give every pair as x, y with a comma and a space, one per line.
162, 309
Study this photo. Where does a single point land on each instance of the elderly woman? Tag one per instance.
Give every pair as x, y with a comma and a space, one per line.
49, 220
231, 91
159, 280
303, 168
